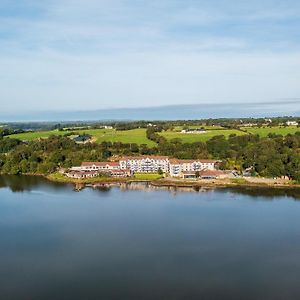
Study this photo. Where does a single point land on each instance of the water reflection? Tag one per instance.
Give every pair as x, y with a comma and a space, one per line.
267, 193
29, 183
142, 242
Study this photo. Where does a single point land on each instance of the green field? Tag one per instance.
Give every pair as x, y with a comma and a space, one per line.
148, 176
30, 136
264, 131
137, 136
179, 128
199, 137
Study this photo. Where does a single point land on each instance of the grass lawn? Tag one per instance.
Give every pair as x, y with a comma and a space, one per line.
147, 176
264, 131
199, 137
137, 136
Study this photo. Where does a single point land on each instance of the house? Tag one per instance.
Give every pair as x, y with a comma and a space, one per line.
211, 174
292, 123
81, 174
120, 173
145, 164
193, 130
189, 175
82, 138
248, 172
100, 166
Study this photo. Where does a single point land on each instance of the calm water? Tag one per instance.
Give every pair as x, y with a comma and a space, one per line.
147, 244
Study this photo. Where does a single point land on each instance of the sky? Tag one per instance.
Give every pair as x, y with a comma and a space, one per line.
94, 54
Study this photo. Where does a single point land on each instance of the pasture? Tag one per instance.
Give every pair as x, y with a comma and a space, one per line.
264, 131
179, 128
137, 136
199, 137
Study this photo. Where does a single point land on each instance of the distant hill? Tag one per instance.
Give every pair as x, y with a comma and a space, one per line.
174, 112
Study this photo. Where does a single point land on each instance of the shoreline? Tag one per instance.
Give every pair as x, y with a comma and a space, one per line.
168, 182
177, 183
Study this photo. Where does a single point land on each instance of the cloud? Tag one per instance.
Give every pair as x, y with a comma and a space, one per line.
123, 53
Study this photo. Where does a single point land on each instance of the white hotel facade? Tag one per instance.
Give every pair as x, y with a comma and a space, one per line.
145, 164
178, 166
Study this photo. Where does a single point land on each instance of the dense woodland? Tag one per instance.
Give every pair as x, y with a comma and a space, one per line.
272, 156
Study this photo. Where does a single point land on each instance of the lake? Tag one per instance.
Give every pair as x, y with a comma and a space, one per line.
138, 242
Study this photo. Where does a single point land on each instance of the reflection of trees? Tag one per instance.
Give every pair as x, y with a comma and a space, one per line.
269, 193
27, 183
2, 182
103, 189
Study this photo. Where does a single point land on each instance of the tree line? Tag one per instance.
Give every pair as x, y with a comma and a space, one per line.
271, 156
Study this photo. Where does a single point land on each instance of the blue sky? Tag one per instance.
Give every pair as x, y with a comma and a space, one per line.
93, 54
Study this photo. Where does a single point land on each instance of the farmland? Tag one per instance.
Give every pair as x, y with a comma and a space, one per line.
199, 137
34, 135
179, 128
137, 136
264, 131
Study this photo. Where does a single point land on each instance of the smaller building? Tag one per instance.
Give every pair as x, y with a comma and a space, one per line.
189, 175
292, 123
211, 174
82, 138
193, 130
99, 166
81, 174
119, 173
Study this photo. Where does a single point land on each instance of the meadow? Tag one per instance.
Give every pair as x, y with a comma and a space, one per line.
216, 127
137, 136
199, 137
264, 131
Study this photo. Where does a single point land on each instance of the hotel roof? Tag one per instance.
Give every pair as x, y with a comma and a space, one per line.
144, 157
190, 161
100, 164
